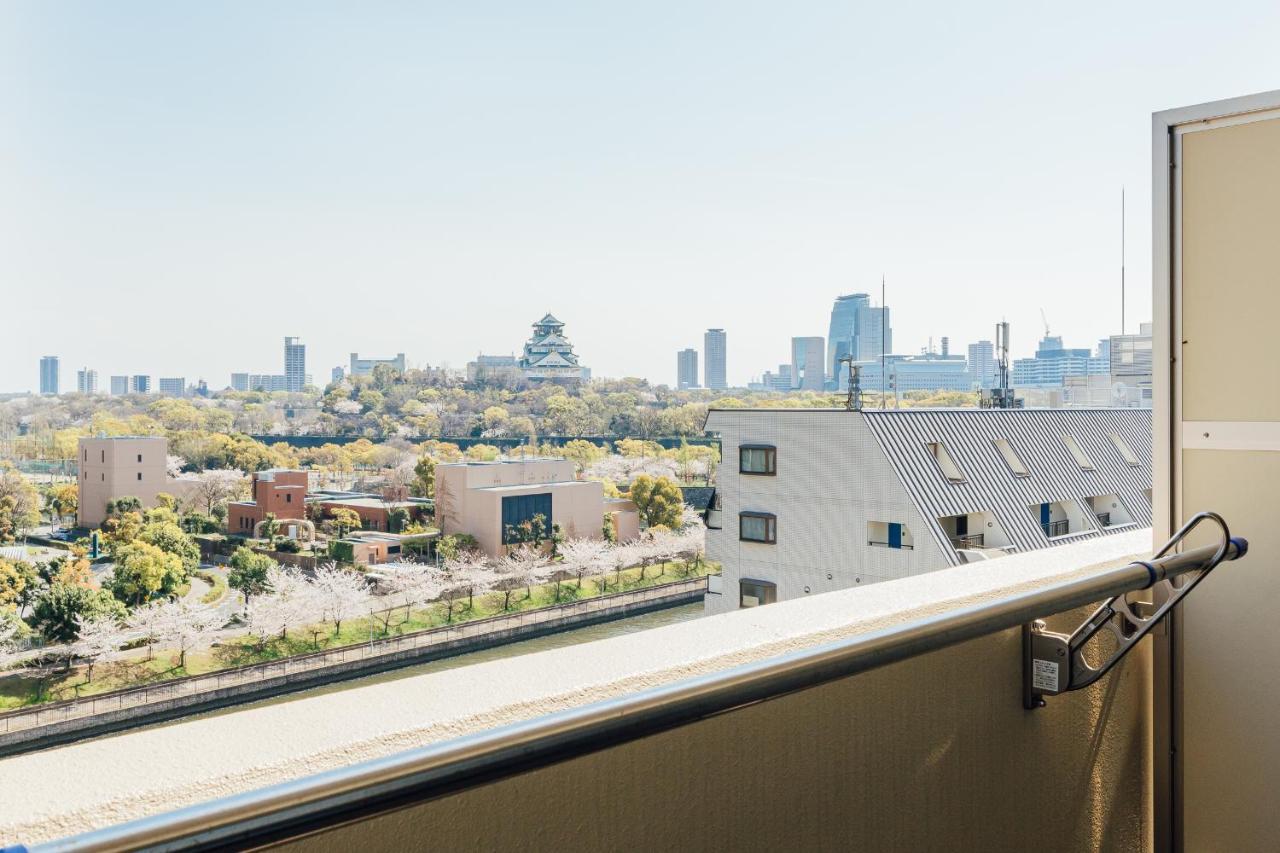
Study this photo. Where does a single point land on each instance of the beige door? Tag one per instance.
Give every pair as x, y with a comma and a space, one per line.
1221, 289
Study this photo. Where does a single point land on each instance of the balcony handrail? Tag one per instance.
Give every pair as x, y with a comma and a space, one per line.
374, 787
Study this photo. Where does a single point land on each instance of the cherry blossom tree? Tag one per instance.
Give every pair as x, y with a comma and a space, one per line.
516, 571
291, 600
341, 593
585, 557
148, 622
410, 584
98, 640
187, 626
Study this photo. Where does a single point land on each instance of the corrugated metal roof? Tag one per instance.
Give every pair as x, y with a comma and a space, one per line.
1036, 436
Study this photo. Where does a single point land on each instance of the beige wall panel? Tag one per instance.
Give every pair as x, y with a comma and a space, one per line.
1231, 662
1231, 273
935, 753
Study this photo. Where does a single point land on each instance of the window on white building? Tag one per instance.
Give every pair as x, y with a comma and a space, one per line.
1011, 458
758, 527
949, 468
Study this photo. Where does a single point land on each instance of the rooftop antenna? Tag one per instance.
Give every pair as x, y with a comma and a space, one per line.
1122, 259
853, 402
883, 323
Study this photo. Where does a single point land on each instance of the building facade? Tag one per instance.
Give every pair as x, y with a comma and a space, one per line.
119, 386
488, 499
813, 501
687, 368
120, 466
172, 386
715, 346
548, 356
899, 374
139, 384
808, 363
295, 364
49, 375
858, 329
1053, 362
982, 364
87, 381
279, 491
364, 366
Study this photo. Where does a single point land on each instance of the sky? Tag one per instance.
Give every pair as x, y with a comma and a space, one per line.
182, 185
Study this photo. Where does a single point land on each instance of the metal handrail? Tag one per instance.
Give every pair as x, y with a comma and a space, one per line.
374, 787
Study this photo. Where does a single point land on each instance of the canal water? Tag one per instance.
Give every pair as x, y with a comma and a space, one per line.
616, 628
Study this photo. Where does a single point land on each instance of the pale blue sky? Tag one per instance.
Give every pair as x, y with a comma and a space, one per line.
183, 184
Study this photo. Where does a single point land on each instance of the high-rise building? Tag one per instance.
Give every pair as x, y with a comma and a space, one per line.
239, 382
338, 374
857, 329
808, 363
714, 354
1053, 363
87, 381
173, 386
119, 386
687, 368
49, 375
364, 366
267, 382
982, 364
140, 384
295, 364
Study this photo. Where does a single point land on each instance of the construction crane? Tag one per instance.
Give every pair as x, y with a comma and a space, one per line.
1044, 320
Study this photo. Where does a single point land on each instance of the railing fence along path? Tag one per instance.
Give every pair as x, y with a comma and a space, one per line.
89, 706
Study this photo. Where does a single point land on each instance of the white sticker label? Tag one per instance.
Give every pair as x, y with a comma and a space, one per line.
1044, 675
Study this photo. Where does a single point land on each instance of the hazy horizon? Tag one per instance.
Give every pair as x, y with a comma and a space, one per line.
186, 185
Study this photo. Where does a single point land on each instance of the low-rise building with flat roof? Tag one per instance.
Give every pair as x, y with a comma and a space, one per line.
281, 492
488, 500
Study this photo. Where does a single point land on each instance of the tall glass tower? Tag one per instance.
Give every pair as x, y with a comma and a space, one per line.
295, 364
859, 330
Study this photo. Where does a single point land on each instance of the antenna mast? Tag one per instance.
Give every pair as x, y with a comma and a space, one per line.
1122, 259
884, 321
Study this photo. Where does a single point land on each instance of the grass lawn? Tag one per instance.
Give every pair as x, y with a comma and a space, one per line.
217, 587
34, 687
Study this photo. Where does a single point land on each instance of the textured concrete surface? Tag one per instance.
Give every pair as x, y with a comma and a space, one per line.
78, 787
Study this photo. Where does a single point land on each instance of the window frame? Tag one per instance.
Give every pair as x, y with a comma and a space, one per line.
770, 460
1126, 452
1010, 455
1077, 451
770, 527
941, 453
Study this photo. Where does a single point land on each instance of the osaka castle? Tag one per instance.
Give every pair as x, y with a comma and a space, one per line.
548, 355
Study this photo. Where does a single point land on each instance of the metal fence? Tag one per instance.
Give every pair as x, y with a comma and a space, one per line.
378, 648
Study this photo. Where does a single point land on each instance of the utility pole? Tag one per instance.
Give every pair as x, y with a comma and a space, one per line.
884, 321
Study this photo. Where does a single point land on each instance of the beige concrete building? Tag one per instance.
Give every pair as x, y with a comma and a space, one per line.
120, 466
487, 499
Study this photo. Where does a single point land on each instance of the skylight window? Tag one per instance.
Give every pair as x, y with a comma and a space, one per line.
1077, 452
1130, 458
949, 468
1011, 458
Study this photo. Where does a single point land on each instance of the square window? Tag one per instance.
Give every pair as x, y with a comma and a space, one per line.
757, 459
758, 527
753, 593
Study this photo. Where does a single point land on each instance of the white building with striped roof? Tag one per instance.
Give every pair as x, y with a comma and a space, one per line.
813, 500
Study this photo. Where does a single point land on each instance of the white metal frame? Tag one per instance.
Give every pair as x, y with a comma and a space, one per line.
1171, 433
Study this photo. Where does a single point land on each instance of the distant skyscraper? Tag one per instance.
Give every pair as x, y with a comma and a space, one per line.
714, 347
982, 364
295, 365
49, 375
174, 386
857, 329
364, 366
87, 381
687, 368
119, 386
140, 384
337, 374
808, 365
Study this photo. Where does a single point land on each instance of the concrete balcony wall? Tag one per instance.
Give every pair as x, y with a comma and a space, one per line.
932, 753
